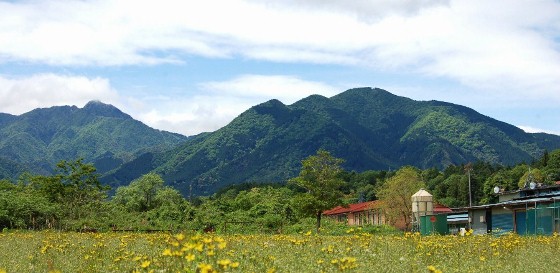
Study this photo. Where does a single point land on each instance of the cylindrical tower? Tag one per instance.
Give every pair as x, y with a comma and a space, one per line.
422, 204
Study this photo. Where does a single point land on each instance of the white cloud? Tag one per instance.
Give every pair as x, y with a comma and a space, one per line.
530, 129
214, 107
287, 89
192, 115
500, 49
220, 102
20, 95
484, 44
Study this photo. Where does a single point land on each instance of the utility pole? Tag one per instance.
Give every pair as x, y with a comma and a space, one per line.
468, 169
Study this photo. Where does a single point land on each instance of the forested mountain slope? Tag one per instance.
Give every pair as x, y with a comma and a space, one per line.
98, 132
369, 128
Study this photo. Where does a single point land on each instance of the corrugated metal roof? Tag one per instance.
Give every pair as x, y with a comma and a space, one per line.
539, 188
531, 200
457, 218
521, 201
353, 208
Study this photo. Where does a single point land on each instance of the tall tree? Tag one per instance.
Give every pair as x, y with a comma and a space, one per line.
81, 186
319, 176
75, 186
140, 194
532, 175
396, 194
552, 169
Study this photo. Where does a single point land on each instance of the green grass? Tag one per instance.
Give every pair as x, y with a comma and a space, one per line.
50, 251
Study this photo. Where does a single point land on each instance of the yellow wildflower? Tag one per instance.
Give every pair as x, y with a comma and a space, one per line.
180, 237
167, 252
190, 257
224, 263
222, 245
205, 268
145, 264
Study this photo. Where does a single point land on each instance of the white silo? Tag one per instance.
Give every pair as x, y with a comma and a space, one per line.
422, 204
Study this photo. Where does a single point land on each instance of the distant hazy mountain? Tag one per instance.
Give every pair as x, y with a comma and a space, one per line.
369, 128
98, 132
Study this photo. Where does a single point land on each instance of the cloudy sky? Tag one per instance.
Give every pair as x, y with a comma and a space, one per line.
192, 66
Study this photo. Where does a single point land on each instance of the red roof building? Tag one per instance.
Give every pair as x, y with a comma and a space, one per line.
439, 208
371, 213
358, 214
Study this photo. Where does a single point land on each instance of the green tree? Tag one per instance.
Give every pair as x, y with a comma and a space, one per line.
75, 187
319, 177
453, 191
396, 194
140, 194
361, 185
501, 179
532, 175
81, 187
151, 203
21, 207
170, 208
552, 169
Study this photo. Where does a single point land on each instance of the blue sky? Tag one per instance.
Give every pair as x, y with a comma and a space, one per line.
193, 66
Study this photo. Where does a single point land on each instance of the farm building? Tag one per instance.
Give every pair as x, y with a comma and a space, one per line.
370, 213
534, 209
358, 214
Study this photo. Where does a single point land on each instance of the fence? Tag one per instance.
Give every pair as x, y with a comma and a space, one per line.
540, 219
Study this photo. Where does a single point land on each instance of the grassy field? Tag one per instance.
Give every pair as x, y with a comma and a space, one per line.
50, 251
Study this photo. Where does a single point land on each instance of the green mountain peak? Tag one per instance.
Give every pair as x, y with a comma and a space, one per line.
99, 108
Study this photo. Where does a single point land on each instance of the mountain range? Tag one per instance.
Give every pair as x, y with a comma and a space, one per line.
371, 129
99, 133
368, 128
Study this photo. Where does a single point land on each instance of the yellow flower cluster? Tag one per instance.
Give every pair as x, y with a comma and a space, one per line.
199, 250
345, 263
356, 252
433, 269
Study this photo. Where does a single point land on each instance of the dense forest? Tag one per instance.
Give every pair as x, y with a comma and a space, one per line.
74, 199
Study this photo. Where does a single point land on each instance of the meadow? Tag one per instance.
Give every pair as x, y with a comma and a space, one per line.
51, 251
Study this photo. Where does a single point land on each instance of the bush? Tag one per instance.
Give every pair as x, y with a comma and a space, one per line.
331, 227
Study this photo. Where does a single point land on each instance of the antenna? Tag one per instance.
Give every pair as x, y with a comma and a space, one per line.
496, 190
468, 169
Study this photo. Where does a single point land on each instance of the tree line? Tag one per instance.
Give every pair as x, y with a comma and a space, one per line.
74, 199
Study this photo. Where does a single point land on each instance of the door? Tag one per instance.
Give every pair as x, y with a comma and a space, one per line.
521, 222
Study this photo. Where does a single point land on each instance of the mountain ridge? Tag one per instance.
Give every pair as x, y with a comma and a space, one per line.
369, 128
98, 132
